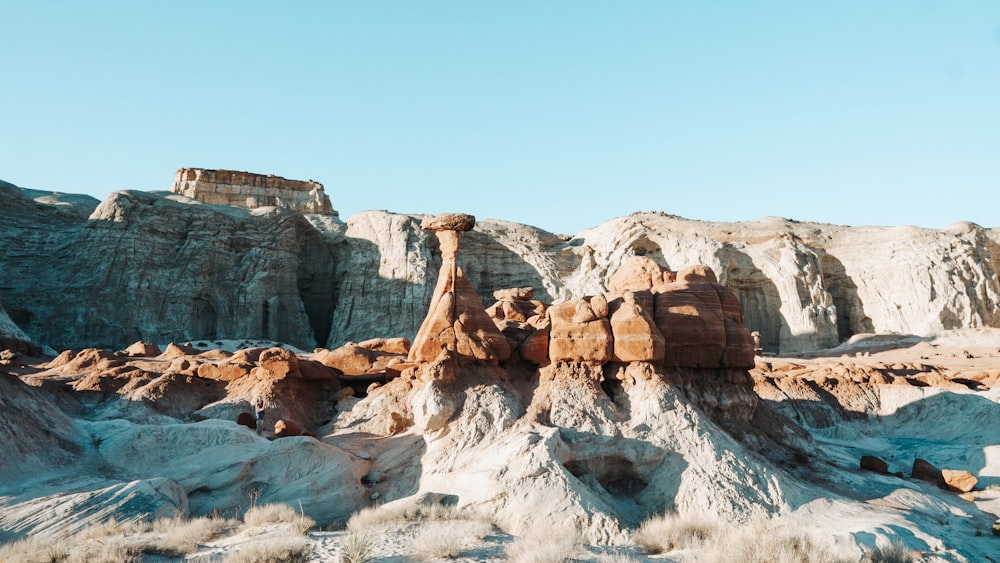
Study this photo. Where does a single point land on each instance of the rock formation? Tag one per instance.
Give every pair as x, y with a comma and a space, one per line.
456, 320
249, 190
155, 267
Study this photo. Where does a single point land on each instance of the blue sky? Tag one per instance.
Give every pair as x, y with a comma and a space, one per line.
557, 114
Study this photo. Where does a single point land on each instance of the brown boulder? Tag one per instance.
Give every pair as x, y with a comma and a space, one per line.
571, 340
959, 480
448, 222
286, 428
247, 419
280, 362
387, 345
872, 463
535, 346
636, 337
689, 315
311, 369
515, 294
698, 273
224, 372
350, 359
142, 350
923, 470
638, 273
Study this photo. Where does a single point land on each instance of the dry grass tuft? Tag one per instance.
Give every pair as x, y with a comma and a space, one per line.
448, 539
895, 552
284, 550
668, 532
357, 548
33, 549
278, 514
765, 543
544, 544
368, 518
616, 558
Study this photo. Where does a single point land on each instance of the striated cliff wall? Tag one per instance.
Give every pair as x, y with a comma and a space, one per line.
158, 267
249, 190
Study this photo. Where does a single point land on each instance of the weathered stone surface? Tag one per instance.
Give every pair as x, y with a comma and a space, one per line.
959, 480
280, 363
639, 273
186, 271
636, 336
388, 345
577, 336
515, 294
925, 471
249, 190
689, 315
802, 286
872, 463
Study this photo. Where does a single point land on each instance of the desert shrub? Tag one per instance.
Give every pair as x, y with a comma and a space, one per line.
544, 544
894, 552
763, 543
175, 537
368, 518
356, 548
282, 550
34, 550
271, 513
668, 532
436, 542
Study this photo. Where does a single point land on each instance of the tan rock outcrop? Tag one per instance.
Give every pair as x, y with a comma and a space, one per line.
249, 190
639, 273
142, 349
280, 363
636, 336
577, 334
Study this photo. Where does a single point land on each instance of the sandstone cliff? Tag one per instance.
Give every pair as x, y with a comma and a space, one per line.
246, 189
160, 267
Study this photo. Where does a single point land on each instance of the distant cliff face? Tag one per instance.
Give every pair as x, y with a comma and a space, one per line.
249, 190
162, 267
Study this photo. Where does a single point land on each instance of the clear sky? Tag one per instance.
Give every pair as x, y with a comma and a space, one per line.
557, 114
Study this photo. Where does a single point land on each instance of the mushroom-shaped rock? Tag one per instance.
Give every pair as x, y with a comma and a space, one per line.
456, 319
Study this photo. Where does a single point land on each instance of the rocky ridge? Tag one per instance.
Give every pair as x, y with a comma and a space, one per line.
313, 279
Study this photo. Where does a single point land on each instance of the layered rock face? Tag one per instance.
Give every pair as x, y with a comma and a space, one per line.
249, 190
802, 286
160, 268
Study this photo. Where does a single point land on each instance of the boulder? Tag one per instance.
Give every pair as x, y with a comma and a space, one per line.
573, 341
247, 419
349, 359
636, 336
925, 471
959, 480
280, 362
177, 350
388, 345
142, 350
689, 315
224, 371
638, 273
872, 463
514, 294
285, 428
